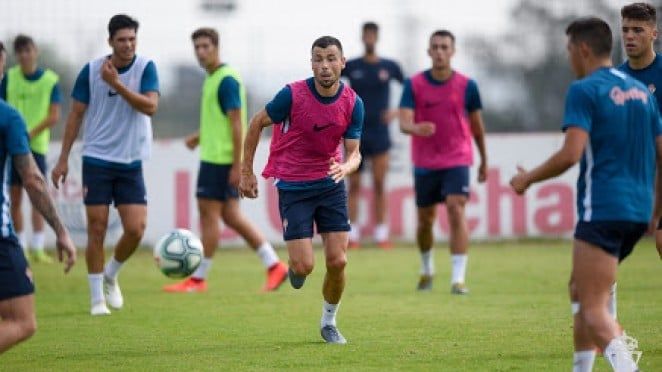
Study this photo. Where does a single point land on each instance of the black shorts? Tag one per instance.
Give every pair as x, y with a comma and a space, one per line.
433, 186
105, 185
213, 182
617, 238
299, 209
375, 140
15, 274
15, 178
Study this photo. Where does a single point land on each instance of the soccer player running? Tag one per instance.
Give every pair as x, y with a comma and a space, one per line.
312, 118
17, 313
113, 98
35, 93
441, 109
222, 125
612, 124
370, 76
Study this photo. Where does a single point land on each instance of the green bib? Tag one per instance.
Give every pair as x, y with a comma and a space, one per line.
215, 128
33, 100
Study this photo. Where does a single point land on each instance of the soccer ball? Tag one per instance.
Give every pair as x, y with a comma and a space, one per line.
178, 253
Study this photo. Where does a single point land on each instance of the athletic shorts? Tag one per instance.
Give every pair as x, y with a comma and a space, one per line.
213, 182
433, 186
374, 141
617, 238
105, 185
15, 178
326, 208
15, 275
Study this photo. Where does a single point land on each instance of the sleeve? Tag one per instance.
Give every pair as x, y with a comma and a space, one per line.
16, 136
356, 126
3, 88
229, 97
397, 72
656, 120
56, 95
279, 107
150, 79
578, 108
472, 97
81, 91
407, 100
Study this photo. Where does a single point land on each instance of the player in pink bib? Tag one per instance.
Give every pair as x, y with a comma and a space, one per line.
440, 108
312, 120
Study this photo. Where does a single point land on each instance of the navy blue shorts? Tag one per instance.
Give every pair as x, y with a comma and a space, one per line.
617, 238
15, 274
374, 141
327, 208
213, 182
105, 185
433, 186
15, 178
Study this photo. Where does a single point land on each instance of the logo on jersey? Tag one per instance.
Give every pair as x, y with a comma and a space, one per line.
319, 128
651, 88
384, 75
620, 96
111, 93
357, 74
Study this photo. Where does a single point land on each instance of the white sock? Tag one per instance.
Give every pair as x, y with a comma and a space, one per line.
201, 271
611, 305
427, 263
618, 356
267, 255
38, 241
583, 361
22, 239
112, 268
574, 306
96, 288
381, 233
459, 262
354, 233
329, 312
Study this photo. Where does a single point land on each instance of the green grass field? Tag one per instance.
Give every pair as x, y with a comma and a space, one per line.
516, 317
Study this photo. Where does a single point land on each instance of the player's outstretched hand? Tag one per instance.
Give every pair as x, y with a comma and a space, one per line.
66, 250
337, 171
59, 173
520, 182
424, 129
248, 185
482, 173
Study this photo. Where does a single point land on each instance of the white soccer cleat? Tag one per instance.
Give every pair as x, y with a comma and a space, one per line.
632, 346
99, 309
113, 293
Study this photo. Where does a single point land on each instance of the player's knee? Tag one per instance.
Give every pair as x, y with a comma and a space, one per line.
455, 211
336, 263
135, 230
301, 267
425, 224
27, 328
378, 188
97, 228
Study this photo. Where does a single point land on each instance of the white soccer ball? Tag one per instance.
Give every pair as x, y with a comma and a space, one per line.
178, 253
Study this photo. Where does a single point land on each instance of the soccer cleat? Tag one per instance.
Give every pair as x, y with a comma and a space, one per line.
385, 245
354, 244
295, 280
40, 257
632, 345
425, 283
187, 285
276, 275
113, 293
99, 309
459, 289
331, 335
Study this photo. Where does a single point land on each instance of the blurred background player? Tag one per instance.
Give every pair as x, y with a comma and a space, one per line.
35, 93
113, 97
612, 124
370, 76
17, 312
222, 124
313, 118
441, 110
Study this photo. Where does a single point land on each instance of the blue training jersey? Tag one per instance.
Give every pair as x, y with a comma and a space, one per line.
651, 76
617, 171
13, 141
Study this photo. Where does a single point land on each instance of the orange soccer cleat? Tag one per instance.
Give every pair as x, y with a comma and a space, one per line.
188, 285
385, 245
276, 275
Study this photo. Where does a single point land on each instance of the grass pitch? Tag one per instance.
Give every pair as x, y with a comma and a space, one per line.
517, 316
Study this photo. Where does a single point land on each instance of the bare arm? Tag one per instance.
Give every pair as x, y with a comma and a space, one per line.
561, 161
407, 126
237, 138
74, 121
48, 122
147, 103
478, 131
338, 171
248, 184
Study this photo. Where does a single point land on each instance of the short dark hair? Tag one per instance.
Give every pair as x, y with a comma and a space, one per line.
594, 32
325, 42
209, 32
443, 33
22, 41
120, 21
640, 12
370, 26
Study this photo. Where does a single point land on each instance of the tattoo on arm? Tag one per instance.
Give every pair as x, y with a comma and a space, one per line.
37, 190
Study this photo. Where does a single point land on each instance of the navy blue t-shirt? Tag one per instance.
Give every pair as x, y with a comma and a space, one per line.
651, 76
